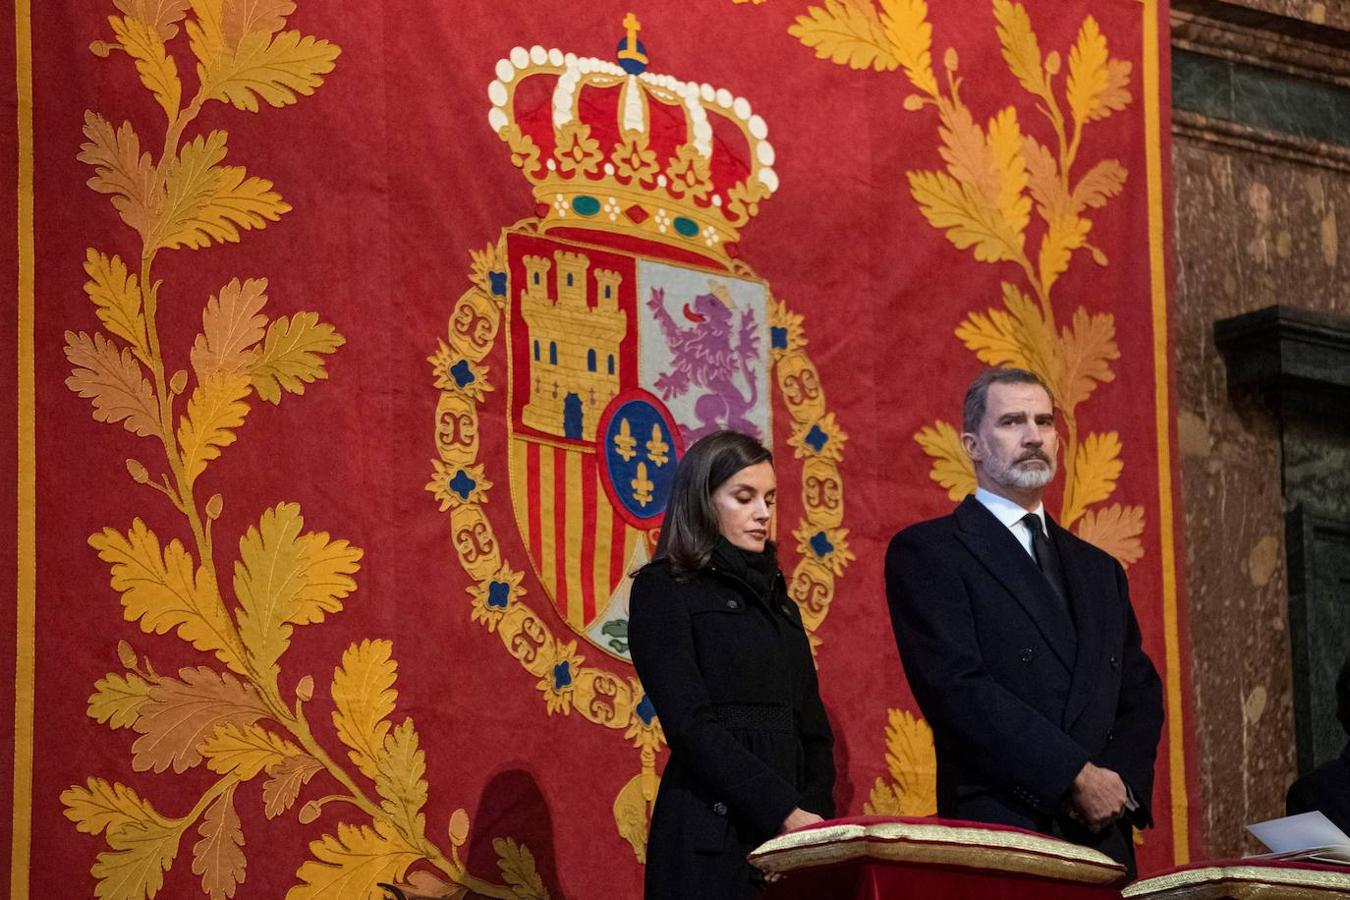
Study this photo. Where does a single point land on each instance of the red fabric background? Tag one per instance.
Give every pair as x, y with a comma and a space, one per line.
394, 176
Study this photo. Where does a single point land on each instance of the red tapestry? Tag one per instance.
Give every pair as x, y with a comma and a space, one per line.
357, 345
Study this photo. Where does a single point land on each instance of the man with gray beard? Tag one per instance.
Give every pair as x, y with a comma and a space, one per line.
1020, 644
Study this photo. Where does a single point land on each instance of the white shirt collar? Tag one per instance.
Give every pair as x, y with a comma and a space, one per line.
1005, 510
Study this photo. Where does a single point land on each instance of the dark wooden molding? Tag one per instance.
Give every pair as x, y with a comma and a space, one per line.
1298, 359
1239, 17
1262, 142
1268, 42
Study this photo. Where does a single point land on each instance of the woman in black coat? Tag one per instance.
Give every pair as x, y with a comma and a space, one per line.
723, 655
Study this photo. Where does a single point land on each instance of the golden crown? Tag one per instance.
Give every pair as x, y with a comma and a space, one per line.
615, 147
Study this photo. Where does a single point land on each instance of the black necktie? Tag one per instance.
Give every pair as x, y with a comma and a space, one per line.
1046, 558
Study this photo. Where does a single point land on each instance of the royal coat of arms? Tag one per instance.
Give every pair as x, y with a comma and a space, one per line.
632, 329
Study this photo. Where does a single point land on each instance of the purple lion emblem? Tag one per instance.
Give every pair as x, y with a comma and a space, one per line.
704, 360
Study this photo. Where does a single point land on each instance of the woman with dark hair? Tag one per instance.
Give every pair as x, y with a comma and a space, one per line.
723, 655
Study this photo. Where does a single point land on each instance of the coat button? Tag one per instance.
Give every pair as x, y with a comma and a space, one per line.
720, 808
1115, 662
733, 604
1025, 655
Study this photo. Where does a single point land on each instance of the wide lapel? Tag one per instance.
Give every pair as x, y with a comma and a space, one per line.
1085, 598
990, 541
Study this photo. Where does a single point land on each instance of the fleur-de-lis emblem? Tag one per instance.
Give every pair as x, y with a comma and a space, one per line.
624, 442
642, 485
658, 451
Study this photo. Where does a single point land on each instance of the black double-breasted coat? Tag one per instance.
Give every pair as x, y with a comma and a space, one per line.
730, 674
1020, 691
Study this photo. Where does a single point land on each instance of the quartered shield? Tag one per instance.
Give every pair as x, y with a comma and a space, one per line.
618, 362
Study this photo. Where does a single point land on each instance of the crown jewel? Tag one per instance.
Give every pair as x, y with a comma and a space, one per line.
616, 147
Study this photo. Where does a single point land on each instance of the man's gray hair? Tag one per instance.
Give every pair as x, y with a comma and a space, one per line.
977, 395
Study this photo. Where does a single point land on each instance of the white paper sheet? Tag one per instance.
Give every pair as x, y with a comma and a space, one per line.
1307, 833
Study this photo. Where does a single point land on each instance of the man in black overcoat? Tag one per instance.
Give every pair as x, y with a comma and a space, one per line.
1327, 787
1020, 644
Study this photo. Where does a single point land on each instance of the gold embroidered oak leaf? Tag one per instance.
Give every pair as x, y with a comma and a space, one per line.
284, 578
1021, 51
292, 355
1063, 235
276, 70
116, 296
1097, 466
241, 17
994, 338
401, 781
847, 32
979, 200
1102, 182
284, 780
965, 217
349, 866
363, 692
1061, 209
911, 36
215, 409
117, 699
1115, 529
121, 170
1085, 353
165, 590
952, 468
105, 805
159, 73
1005, 149
161, 15
517, 865
965, 150
1014, 336
912, 765
1043, 181
204, 201
114, 381
1097, 85
912, 762
882, 800
218, 857
206, 35
140, 854
182, 712
244, 750
1066, 231
231, 324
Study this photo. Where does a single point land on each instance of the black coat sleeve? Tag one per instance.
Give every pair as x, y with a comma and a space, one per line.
992, 729
660, 637
817, 745
1133, 747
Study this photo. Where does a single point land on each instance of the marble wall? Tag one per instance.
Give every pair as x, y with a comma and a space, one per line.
1261, 157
